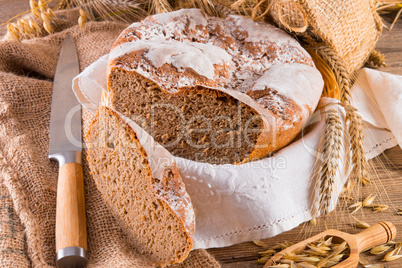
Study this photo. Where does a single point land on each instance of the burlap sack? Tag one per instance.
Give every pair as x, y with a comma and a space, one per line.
350, 28
28, 179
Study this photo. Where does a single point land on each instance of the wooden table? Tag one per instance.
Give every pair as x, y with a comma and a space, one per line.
388, 167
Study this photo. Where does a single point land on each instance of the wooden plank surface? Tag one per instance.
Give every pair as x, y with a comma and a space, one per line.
388, 167
387, 184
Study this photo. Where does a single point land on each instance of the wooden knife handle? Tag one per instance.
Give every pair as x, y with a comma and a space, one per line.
71, 228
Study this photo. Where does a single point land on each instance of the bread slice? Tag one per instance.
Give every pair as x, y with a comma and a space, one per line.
216, 90
145, 194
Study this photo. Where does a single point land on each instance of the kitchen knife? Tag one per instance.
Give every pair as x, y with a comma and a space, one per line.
65, 147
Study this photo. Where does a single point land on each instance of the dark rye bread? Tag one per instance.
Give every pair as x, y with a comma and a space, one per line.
202, 125
151, 205
210, 89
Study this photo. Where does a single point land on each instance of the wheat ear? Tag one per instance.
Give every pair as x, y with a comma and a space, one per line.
356, 133
329, 164
377, 58
354, 120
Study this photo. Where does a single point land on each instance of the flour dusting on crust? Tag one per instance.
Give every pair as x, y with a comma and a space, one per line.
186, 48
173, 191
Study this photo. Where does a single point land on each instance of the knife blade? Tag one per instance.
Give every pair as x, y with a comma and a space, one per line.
65, 148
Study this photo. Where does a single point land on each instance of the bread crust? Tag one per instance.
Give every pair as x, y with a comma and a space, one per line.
282, 113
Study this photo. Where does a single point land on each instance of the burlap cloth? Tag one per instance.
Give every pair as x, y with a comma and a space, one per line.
349, 28
28, 179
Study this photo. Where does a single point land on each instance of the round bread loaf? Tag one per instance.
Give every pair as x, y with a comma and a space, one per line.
212, 89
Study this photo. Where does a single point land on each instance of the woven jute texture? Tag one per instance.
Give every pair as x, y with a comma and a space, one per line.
28, 179
349, 27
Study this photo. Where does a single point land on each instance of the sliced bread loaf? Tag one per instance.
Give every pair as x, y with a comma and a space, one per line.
142, 187
212, 89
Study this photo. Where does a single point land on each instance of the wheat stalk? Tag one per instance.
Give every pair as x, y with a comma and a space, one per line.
207, 6
331, 88
356, 133
242, 7
355, 127
116, 10
160, 6
329, 163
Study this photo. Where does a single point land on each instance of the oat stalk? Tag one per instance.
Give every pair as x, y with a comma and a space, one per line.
320, 253
23, 28
360, 224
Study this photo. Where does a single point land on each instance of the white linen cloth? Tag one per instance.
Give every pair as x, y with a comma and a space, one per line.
238, 203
